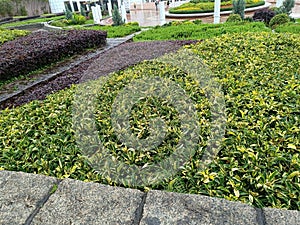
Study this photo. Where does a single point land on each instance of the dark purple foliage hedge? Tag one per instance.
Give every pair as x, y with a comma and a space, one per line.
41, 48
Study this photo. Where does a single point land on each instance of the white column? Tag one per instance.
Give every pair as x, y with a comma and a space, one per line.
217, 11
72, 6
78, 5
162, 13
142, 6
279, 3
123, 13
95, 15
98, 10
109, 8
119, 4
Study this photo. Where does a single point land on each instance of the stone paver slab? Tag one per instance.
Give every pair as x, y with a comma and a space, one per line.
174, 208
282, 217
21, 194
77, 202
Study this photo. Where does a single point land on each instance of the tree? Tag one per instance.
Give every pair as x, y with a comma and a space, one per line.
116, 17
239, 7
6, 8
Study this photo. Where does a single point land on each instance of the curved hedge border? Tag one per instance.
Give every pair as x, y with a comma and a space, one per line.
42, 48
174, 11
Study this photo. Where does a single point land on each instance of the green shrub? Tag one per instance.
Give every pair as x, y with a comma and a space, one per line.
6, 8
279, 19
198, 31
23, 11
116, 17
288, 28
78, 19
9, 35
68, 14
234, 18
239, 7
83, 11
197, 21
90, 15
59, 23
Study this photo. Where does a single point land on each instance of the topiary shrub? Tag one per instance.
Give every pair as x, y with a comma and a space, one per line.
68, 14
234, 18
116, 17
264, 15
278, 20
239, 7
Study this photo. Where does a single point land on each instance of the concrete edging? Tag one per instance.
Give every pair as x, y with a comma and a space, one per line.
38, 199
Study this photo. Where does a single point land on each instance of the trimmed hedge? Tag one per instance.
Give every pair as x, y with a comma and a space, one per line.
210, 9
191, 31
288, 28
42, 48
259, 161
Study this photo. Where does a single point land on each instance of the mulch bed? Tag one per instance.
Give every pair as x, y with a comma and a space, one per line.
115, 59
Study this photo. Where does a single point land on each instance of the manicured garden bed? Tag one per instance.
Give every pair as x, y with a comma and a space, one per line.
259, 160
191, 31
199, 6
9, 35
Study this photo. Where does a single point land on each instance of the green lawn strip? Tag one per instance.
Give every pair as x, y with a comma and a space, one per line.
9, 35
288, 28
259, 161
113, 31
190, 31
32, 21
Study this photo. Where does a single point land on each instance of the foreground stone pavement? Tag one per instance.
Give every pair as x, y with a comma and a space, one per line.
41, 200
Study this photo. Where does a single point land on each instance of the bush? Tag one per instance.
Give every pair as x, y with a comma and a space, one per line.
6, 8
264, 15
78, 19
116, 17
278, 20
239, 7
197, 21
68, 14
23, 11
288, 28
9, 35
36, 50
234, 18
